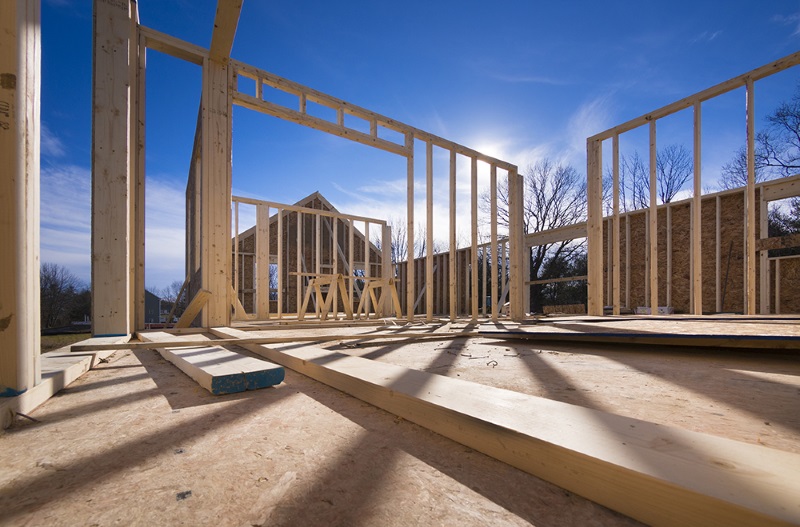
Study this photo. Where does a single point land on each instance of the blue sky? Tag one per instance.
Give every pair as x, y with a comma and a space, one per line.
520, 80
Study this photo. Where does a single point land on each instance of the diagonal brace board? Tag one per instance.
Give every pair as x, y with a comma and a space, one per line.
657, 474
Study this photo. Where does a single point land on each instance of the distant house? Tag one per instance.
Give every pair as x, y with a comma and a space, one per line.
290, 265
152, 308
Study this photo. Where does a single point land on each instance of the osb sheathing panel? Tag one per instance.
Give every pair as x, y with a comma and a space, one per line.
681, 244
790, 282
731, 255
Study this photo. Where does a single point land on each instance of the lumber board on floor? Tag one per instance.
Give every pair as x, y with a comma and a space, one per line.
658, 474
765, 342
219, 370
183, 342
59, 369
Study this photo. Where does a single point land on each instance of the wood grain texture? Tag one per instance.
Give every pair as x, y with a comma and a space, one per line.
218, 370
657, 474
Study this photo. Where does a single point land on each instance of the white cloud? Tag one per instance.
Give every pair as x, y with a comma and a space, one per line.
164, 232
706, 36
789, 20
66, 218
50, 144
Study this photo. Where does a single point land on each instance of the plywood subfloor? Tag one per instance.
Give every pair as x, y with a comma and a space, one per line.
137, 442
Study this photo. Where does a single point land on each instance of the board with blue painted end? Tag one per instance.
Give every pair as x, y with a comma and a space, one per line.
218, 370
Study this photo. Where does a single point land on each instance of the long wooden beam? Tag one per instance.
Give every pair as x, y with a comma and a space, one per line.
225, 21
657, 474
375, 119
709, 93
172, 46
276, 110
185, 343
764, 342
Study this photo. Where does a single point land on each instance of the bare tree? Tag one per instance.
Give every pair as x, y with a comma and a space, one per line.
634, 182
776, 149
674, 167
400, 241
59, 289
170, 293
555, 196
734, 172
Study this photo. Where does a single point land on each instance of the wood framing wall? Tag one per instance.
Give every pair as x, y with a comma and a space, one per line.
208, 197
595, 228
20, 81
329, 241
722, 257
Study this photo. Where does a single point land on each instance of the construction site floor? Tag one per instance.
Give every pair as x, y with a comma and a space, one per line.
137, 442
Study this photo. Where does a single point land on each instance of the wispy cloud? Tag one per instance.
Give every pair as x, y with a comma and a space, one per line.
706, 36
165, 227
789, 20
522, 78
591, 117
51, 145
66, 223
66, 218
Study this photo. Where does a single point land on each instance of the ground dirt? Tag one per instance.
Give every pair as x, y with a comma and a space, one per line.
137, 442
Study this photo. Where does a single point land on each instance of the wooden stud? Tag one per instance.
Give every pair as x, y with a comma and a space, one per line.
410, 285
485, 266
350, 261
387, 268
750, 223
494, 293
628, 261
367, 271
669, 254
474, 246
236, 277
262, 262
518, 248
594, 227
215, 188
317, 244
299, 259
718, 239
112, 181
777, 286
647, 270
609, 225
615, 279
697, 222
20, 95
653, 223
763, 261
137, 61
429, 231
281, 263
451, 258
335, 263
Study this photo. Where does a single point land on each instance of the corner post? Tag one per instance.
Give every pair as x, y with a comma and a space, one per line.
20, 96
113, 182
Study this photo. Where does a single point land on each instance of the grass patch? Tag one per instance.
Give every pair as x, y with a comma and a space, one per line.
53, 342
